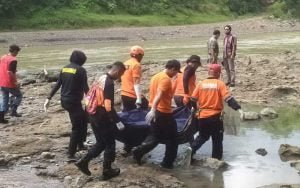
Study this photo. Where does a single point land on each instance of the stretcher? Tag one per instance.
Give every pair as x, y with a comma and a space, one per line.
136, 129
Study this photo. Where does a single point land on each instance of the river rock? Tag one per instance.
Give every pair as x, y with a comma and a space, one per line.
213, 163
47, 155
261, 151
68, 182
269, 112
296, 165
250, 116
281, 91
184, 157
288, 152
27, 81
281, 186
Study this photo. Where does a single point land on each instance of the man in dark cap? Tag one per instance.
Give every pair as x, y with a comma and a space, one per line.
185, 82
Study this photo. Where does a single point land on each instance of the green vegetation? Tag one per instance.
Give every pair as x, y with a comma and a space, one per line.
36, 14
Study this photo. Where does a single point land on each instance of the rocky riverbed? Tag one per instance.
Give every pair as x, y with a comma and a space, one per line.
40, 139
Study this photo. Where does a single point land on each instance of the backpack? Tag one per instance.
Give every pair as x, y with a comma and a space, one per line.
94, 98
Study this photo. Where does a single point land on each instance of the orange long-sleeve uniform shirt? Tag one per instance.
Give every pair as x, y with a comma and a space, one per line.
210, 95
133, 70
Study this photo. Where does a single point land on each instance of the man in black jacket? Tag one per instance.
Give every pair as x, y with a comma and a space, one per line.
73, 82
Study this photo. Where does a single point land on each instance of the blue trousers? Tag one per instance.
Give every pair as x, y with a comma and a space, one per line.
15, 100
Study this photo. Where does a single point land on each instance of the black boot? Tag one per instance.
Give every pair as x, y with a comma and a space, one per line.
137, 155
15, 114
83, 166
81, 147
109, 172
167, 165
2, 120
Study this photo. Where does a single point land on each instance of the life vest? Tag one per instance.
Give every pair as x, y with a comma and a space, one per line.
6, 80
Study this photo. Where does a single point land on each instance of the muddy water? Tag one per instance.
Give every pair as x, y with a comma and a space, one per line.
23, 176
36, 57
247, 169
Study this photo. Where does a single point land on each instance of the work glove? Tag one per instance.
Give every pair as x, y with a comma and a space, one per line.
186, 99
120, 126
242, 114
138, 93
138, 102
46, 104
150, 116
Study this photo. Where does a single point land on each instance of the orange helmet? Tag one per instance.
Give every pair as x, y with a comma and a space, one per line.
136, 50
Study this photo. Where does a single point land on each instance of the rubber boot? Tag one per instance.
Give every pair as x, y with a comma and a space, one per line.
167, 165
109, 172
14, 113
83, 166
2, 120
137, 156
81, 147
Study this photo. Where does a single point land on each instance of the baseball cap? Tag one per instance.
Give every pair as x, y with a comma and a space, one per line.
194, 59
173, 64
136, 50
216, 68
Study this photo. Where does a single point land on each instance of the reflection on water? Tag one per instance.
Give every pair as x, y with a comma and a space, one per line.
155, 50
247, 169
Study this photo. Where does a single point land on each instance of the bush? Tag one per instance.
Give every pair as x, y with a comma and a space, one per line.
245, 6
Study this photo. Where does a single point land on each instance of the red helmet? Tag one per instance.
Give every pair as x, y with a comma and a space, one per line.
215, 68
136, 50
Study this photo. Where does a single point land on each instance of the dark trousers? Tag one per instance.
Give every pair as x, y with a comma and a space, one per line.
210, 127
129, 103
78, 119
104, 131
179, 101
163, 130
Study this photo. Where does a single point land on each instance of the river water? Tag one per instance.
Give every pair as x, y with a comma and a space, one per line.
36, 57
247, 169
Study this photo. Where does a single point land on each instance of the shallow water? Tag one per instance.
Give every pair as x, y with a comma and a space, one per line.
36, 57
246, 168
24, 177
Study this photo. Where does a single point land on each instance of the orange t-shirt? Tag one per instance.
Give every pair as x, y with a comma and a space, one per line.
133, 70
210, 94
163, 82
178, 84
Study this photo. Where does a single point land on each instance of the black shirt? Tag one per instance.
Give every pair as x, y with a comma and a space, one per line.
73, 82
109, 90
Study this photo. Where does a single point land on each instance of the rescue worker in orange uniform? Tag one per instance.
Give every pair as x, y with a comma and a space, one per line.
131, 94
208, 97
9, 84
104, 123
163, 125
185, 83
